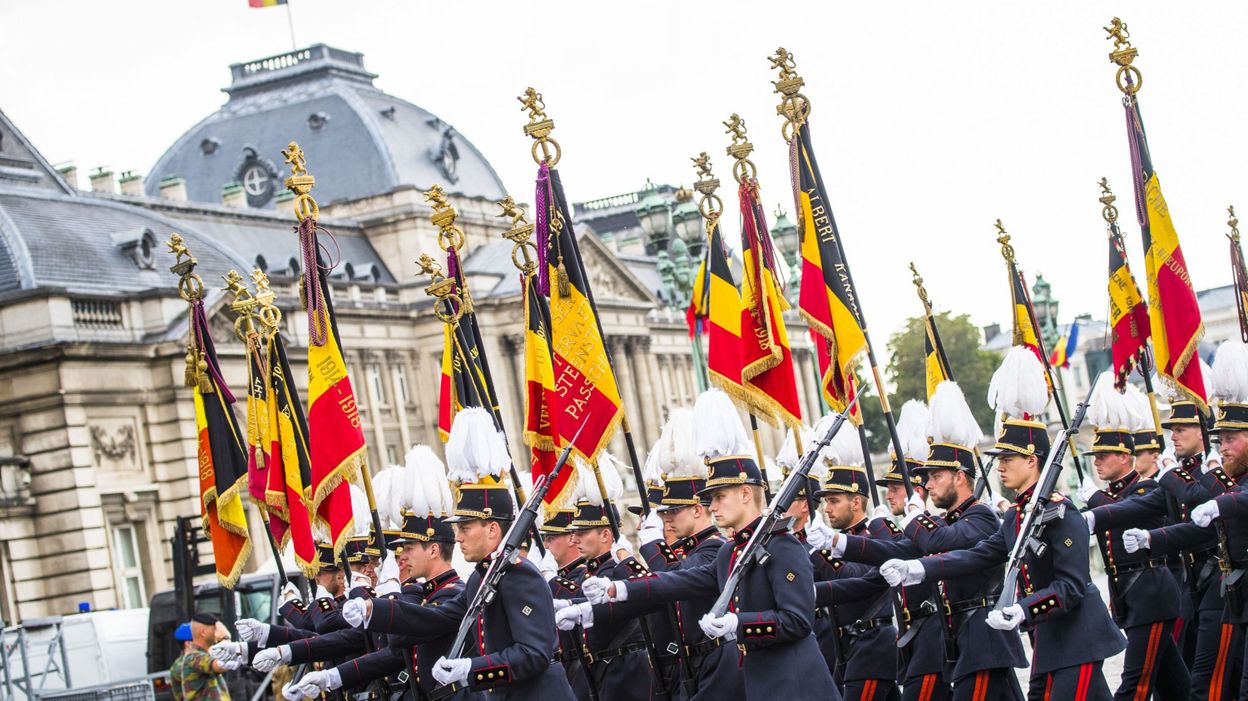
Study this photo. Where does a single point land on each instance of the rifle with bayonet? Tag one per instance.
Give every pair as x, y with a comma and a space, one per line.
755, 551
1031, 529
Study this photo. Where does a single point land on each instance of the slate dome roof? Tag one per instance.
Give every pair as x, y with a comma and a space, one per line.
360, 141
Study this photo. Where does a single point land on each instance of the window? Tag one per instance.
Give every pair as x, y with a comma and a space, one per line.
392, 454
379, 388
400, 375
126, 563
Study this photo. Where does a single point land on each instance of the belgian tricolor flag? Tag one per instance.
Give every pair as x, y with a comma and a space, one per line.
934, 361
222, 464
1176, 324
1024, 316
290, 462
539, 391
722, 305
257, 432
1128, 313
827, 299
766, 359
336, 435
466, 379
585, 385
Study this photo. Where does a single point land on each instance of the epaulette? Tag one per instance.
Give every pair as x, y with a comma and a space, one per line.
669, 556
567, 583
1226, 481
926, 522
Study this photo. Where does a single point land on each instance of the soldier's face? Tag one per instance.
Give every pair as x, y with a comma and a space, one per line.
681, 521
593, 542
560, 547
840, 511
1233, 447
1018, 472
1111, 466
941, 486
729, 506
406, 557
895, 495
1146, 463
799, 511
1187, 441
477, 539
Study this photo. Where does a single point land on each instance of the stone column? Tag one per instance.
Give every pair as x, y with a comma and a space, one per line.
429, 398
510, 385
617, 446
397, 364
369, 359
649, 408
628, 393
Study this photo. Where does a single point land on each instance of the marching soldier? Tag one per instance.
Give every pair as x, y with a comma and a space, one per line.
979, 660
712, 662
1143, 594
858, 599
1072, 633
512, 648
1229, 539
564, 569
617, 658
772, 609
1147, 437
657, 549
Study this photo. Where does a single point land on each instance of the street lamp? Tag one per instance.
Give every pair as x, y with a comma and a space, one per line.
688, 224
654, 215
1046, 310
784, 236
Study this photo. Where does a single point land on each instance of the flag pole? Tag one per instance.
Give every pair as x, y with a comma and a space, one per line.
290, 22
795, 108
930, 320
301, 183
1007, 252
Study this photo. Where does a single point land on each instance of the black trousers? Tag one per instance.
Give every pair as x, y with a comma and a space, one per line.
1219, 654
870, 690
988, 685
1153, 664
929, 687
1085, 682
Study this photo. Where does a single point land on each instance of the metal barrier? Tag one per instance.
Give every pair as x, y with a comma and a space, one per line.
129, 690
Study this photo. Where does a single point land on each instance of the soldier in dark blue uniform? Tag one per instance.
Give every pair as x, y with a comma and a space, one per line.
770, 616
1071, 631
564, 569
978, 659
1143, 594
1201, 633
859, 600
621, 659
511, 650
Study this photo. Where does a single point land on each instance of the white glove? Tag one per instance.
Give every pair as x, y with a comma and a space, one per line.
389, 571
1086, 490
291, 692
819, 535
1204, 514
621, 551
718, 627
227, 650
290, 591
561, 604
915, 504
902, 572
651, 529
359, 579
232, 664
252, 631
355, 612
1166, 461
268, 659
597, 590
1090, 519
314, 684
1134, 539
548, 566
881, 511
1007, 618
569, 617
322, 593
447, 672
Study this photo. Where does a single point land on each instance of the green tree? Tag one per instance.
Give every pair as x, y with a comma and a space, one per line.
971, 366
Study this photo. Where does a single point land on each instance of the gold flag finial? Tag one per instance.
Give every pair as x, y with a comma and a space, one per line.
709, 205
244, 304
743, 169
1109, 212
270, 316
1129, 78
443, 217
190, 284
300, 182
918, 283
539, 128
449, 307
524, 251
794, 106
1233, 222
1003, 238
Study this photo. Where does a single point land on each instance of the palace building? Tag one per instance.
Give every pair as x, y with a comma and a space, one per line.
97, 430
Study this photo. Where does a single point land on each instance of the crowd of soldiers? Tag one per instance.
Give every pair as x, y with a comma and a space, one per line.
895, 601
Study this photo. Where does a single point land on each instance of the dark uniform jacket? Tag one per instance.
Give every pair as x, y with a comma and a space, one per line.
1141, 588
566, 584
621, 665
1232, 558
1061, 606
513, 642
715, 663
774, 604
660, 556
297, 615
861, 606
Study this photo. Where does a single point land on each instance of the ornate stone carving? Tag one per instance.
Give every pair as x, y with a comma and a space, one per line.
113, 442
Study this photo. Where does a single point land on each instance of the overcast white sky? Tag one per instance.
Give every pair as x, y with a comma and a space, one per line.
930, 119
